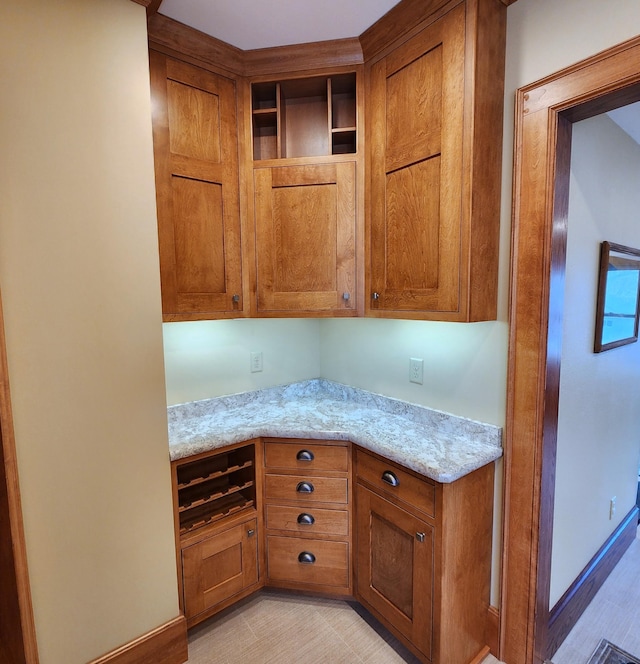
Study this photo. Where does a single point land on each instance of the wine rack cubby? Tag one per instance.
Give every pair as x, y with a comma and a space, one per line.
216, 486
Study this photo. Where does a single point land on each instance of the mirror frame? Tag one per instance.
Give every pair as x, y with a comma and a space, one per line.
629, 256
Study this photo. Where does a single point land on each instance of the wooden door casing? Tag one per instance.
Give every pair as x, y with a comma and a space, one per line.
545, 111
18, 641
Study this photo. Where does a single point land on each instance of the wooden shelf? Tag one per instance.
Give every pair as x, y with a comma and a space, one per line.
206, 498
301, 117
224, 507
213, 466
215, 474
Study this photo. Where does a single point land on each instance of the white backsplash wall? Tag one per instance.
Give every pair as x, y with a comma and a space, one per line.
464, 363
205, 359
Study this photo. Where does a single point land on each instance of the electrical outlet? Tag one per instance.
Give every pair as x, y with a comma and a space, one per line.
256, 361
612, 508
416, 367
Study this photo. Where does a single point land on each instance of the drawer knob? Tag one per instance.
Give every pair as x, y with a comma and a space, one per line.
304, 487
305, 455
390, 478
420, 537
305, 519
306, 558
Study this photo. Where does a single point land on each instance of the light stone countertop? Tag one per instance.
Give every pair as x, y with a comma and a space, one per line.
438, 445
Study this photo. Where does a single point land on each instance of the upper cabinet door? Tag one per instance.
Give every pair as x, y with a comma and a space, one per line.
305, 238
196, 166
433, 240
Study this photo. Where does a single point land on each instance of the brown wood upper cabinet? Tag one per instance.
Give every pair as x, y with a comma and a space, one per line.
434, 118
305, 239
196, 165
305, 195
400, 220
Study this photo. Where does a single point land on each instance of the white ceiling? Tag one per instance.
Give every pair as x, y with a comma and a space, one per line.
250, 24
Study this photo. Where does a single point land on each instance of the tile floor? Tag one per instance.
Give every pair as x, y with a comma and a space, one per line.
614, 614
274, 628
279, 628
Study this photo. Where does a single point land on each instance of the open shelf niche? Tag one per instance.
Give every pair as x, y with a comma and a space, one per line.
304, 117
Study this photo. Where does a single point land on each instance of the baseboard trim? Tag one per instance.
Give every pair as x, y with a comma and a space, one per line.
564, 615
479, 658
166, 644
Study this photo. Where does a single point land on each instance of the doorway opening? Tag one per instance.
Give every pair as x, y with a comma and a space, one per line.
545, 113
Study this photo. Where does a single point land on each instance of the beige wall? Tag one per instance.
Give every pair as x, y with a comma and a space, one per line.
80, 286
599, 415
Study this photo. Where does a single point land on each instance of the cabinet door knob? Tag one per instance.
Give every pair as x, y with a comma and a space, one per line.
390, 478
305, 455
346, 296
251, 532
305, 519
236, 298
306, 558
376, 296
304, 487
420, 537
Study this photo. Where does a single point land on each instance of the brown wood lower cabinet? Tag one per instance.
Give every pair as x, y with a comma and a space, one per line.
423, 556
307, 497
219, 567
217, 528
278, 512
395, 566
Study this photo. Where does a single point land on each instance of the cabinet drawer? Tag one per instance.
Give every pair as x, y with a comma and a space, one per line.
328, 561
420, 493
320, 489
304, 456
312, 521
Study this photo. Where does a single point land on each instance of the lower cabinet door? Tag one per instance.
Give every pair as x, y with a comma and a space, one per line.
219, 567
395, 567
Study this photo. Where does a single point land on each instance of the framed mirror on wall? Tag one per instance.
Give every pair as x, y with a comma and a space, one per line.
618, 297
